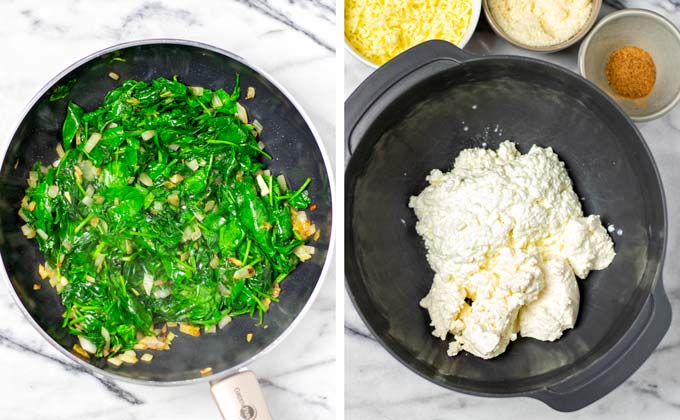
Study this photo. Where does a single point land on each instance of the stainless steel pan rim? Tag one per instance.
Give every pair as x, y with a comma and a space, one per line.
324, 271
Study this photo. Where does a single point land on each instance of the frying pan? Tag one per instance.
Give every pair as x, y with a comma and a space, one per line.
417, 113
288, 135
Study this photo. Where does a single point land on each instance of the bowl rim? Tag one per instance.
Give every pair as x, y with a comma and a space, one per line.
597, 5
474, 21
657, 18
325, 270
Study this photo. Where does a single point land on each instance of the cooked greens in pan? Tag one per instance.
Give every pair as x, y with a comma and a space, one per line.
160, 210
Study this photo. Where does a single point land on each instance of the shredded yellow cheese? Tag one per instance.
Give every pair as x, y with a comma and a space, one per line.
381, 29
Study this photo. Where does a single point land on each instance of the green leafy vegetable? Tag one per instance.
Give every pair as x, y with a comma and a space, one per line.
160, 209
63, 90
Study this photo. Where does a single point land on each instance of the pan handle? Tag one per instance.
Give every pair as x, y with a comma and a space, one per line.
396, 76
617, 366
239, 397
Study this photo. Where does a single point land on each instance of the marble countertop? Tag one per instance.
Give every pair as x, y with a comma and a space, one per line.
293, 40
378, 387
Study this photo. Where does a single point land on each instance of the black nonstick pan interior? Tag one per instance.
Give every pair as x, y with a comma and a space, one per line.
287, 137
423, 123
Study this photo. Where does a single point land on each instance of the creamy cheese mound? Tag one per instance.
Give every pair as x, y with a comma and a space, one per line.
541, 23
506, 238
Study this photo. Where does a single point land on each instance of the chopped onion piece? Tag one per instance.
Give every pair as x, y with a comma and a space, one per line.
189, 329
128, 357
186, 234
60, 150
210, 329
107, 338
304, 252
196, 234
223, 289
88, 201
87, 345
145, 179
146, 357
148, 134
244, 273
224, 321
42, 271
99, 260
216, 102
162, 292
257, 126
114, 76
22, 215
241, 113
206, 371
32, 179
92, 142
80, 351
52, 191
192, 164
281, 180
114, 361
177, 178
42, 234
67, 196
147, 283
173, 199
250, 92
264, 189
209, 205
196, 90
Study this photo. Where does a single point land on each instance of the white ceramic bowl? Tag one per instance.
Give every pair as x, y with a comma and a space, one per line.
474, 19
649, 31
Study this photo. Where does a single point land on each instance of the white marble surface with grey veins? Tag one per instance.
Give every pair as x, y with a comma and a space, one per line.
290, 39
378, 387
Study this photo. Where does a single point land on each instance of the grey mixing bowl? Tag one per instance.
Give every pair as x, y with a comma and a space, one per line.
405, 120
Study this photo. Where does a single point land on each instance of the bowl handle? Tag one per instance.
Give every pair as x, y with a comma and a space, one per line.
239, 397
395, 77
620, 363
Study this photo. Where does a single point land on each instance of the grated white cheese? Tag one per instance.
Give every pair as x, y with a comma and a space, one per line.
506, 232
541, 23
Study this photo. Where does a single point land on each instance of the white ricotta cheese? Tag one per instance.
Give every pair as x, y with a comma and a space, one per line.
505, 231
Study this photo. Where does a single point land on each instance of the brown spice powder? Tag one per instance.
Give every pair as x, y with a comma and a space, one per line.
631, 72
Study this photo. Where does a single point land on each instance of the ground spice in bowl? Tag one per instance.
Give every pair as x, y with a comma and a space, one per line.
631, 72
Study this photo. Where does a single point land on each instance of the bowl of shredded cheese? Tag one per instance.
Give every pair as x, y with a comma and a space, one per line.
378, 30
545, 25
